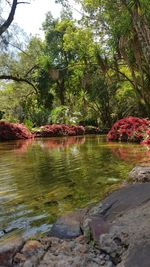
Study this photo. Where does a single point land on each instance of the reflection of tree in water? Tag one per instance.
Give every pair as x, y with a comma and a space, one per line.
132, 153
21, 146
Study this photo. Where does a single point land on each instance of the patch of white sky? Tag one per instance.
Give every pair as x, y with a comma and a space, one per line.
31, 16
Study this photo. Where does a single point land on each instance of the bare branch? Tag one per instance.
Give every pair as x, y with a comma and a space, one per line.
13, 45
30, 70
23, 3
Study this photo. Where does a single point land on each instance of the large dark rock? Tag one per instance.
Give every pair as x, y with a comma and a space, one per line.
139, 256
127, 212
140, 174
122, 200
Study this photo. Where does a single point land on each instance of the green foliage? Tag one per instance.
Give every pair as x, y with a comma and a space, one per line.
63, 114
28, 123
96, 70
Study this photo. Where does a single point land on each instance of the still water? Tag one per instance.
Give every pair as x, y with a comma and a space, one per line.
44, 178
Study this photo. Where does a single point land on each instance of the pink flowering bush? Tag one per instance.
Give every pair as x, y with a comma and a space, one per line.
13, 131
130, 129
61, 130
79, 130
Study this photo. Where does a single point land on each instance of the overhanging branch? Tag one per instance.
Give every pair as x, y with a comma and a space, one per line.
124, 75
10, 18
18, 79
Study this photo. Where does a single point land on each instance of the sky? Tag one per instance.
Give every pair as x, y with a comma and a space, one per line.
30, 16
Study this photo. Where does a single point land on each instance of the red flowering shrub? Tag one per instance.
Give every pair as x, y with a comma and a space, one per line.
61, 130
129, 129
13, 131
79, 130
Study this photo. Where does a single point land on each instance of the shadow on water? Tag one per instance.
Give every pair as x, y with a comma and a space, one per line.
43, 178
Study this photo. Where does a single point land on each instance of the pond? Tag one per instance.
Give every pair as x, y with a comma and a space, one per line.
43, 178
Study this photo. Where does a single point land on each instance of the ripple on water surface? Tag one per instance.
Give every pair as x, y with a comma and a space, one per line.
43, 178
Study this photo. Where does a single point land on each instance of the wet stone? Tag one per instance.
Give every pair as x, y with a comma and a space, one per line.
140, 174
67, 227
8, 249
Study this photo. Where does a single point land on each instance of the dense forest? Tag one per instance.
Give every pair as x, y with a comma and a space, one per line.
92, 71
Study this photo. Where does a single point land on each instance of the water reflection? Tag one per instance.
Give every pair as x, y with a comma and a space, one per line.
43, 178
62, 143
21, 146
132, 153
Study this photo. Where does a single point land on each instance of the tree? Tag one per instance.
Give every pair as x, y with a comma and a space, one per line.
69, 51
4, 24
123, 29
21, 67
19, 93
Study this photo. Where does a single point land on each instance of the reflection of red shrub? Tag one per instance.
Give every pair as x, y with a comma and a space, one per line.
62, 143
131, 154
13, 131
129, 129
61, 130
21, 146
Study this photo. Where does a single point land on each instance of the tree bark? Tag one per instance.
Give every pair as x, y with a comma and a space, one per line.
10, 18
61, 92
143, 32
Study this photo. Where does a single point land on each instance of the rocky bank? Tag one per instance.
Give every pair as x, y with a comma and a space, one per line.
115, 232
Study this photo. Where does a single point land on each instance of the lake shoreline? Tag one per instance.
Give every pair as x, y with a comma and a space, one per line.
115, 232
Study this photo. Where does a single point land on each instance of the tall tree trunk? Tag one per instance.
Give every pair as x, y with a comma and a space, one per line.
61, 91
142, 29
